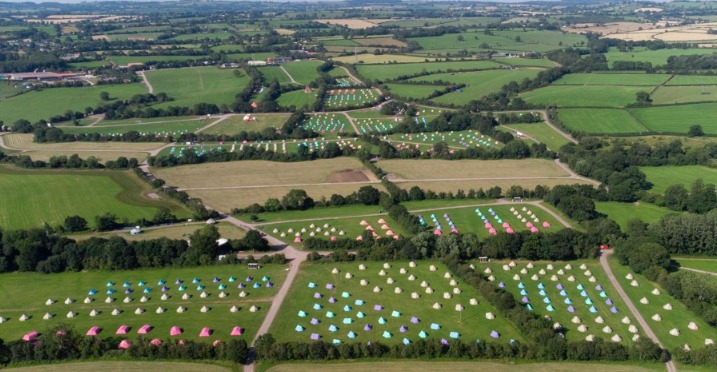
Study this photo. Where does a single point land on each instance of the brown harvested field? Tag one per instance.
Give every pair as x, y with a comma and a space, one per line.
284, 31
383, 41
255, 174
695, 32
382, 58
24, 142
352, 176
350, 23
609, 28
446, 186
100, 37
448, 170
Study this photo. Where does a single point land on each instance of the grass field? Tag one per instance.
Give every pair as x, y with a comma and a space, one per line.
471, 323
679, 317
612, 79
125, 367
666, 176
693, 80
33, 197
705, 264
304, 71
525, 62
25, 296
167, 126
472, 366
656, 57
124, 60
297, 98
189, 86
539, 41
318, 213
622, 213
413, 91
272, 73
45, 103
678, 118
471, 169
606, 121
381, 72
541, 132
177, 231
236, 124
583, 96
684, 94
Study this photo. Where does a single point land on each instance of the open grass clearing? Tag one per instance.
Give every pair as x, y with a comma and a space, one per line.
124, 60
541, 132
125, 367
413, 91
602, 121
33, 197
123, 122
176, 231
189, 86
472, 366
678, 317
525, 62
471, 169
471, 324
678, 118
236, 124
297, 98
583, 96
666, 176
667, 95
27, 297
612, 79
622, 213
161, 128
509, 40
303, 71
395, 70
317, 213
693, 80
705, 264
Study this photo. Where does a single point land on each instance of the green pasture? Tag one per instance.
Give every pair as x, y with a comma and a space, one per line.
124, 60
133, 121
139, 29
467, 219
478, 84
189, 86
339, 42
693, 80
597, 120
33, 197
170, 126
127, 37
612, 79
271, 73
203, 36
236, 124
28, 292
581, 292
392, 71
704, 264
472, 366
303, 71
622, 213
471, 323
678, 118
532, 40
88, 65
540, 132
583, 96
125, 367
413, 91
656, 57
228, 48
665, 176
679, 317
43, 104
667, 95
297, 98
525, 62
10, 88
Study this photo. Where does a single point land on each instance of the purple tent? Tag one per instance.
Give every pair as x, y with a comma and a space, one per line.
414, 320
525, 300
241, 286
378, 307
165, 288
178, 281
571, 309
314, 321
403, 329
501, 285
248, 279
216, 280
315, 336
332, 300
494, 334
128, 291
444, 341
613, 310
608, 302
329, 286
269, 284
598, 287
559, 286
367, 327
317, 295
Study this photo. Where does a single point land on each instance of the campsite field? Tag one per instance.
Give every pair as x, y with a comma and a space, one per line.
43, 104
678, 118
297, 98
27, 293
168, 126
594, 120
583, 96
554, 291
334, 228
540, 132
126, 367
353, 313
318, 213
189, 86
176, 231
236, 124
678, 317
622, 213
33, 197
455, 140
392, 71
405, 366
666, 176
304, 71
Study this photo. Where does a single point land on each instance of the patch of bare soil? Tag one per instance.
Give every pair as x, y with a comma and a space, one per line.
348, 175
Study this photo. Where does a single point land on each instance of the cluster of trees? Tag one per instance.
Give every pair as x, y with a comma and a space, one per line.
686, 234
69, 162
701, 198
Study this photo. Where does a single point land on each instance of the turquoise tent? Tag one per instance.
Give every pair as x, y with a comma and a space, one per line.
302, 313
381, 320
329, 314
568, 301
563, 293
422, 334
588, 301
542, 293
299, 328
435, 326
387, 334
317, 306
348, 320
523, 292
529, 307
550, 308
345, 295
333, 328
521, 285
336, 341
603, 294
454, 335
593, 309
406, 341
360, 315
546, 300
584, 294
352, 334
541, 286
395, 314
580, 287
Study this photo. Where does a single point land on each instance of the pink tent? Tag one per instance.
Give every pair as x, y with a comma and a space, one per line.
297, 240
373, 233
155, 342
124, 345
455, 231
395, 237
144, 329
385, 227
509, 230
488, 225
390, 233
506, 225
534, 229
363, 223
216, 343
93, 331
181, 342
546, 224
437, 232
30, 336
382, 221
370, 228
528, 224
206, 332
333, 238
491, 231
122, 330
60, 333
237, 331
175, 331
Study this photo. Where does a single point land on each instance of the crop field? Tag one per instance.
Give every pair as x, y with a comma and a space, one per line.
666, 176
622, 213
189, 86
304, 71
656, 57
479, 84
380, 72
595, 120
583, 96
335, 228
391, 306
125, 367
472, 169
167, 127
472, 366
413, 91
456, 140
348, 97
541, 132
29, 298
577, 295
177, 231
678, 118
684, 94
236, 124
43, 104
612, 79
675, 316
489, 220
33, 197
693, 80
525, 62
272, 73
297, 98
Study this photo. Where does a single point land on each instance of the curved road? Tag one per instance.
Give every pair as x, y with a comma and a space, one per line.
670, 365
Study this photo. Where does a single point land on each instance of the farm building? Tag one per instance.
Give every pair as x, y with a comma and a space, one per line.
278, 60
256, 63
41, 76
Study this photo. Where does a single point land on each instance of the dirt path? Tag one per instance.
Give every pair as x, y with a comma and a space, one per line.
221, 119
150, 88
351, 121
670, 365
575, 175
97, 119
289, 75
352, 76
698, 271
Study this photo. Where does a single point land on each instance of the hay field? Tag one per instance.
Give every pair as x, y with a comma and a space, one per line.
608, 28
189, 86
439, 170
381, 59
355, 24
125, 367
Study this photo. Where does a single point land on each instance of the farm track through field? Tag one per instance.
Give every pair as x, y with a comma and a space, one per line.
150, 89
221, 119
289, 75
605, 254
699, 271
